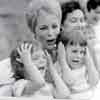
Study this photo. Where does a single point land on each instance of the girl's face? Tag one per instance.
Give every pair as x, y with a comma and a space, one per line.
47, 29
39, 59
74, 20
75, 55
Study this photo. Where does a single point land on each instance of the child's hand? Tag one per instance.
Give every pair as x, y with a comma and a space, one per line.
62, 55
49, 60
61, 52
25, 53
88, 58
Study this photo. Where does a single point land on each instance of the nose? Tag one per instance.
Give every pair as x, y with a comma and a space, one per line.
79, 25
79, 55
50, 32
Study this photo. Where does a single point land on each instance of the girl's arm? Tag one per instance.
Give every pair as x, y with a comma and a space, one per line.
32, 72
60, 89
67, 74
93, 75
94, 54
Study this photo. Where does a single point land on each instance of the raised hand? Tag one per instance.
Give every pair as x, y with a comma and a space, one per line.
93, 75
88, 58
62, 55
25, 52
49, 60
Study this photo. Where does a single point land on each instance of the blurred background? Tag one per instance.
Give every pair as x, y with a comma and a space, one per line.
12, 25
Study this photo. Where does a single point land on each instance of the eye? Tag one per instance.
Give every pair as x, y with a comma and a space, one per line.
82, 52
74, 51
44, 27
73, 20
71, 43
54, 26
83, 44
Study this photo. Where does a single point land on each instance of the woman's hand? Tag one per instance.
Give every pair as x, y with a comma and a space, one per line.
67, 73
25, 53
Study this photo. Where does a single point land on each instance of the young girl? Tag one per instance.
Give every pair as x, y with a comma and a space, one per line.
29, 63
78, 70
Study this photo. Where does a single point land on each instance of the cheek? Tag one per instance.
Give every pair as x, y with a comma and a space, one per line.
57, 31
84, 24
41, 36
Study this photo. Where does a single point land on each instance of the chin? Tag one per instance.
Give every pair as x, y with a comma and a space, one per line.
51, 47
76, 66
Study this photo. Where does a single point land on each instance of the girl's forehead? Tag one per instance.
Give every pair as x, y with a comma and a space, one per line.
76, 46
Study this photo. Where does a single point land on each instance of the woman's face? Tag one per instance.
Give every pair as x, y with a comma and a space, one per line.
47, 29
74, 20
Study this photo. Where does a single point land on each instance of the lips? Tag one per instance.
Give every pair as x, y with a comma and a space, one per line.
51, 41
76, 61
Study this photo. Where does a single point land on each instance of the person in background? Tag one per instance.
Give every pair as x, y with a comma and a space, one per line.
43, 18
73, 17
93, 17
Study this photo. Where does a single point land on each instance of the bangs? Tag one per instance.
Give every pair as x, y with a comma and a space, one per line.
75, 37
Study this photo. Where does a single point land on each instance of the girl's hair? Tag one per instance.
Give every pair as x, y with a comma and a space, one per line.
17, 66
34, 7
69, 7
74, 37
92, 4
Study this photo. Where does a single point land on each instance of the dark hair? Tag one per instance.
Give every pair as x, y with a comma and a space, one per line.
92, 4
17, 67
74, 36
69, 7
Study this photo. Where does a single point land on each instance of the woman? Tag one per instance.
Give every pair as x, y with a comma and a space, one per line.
44, 20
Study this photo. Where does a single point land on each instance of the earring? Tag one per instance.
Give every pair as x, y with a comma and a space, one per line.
61, 29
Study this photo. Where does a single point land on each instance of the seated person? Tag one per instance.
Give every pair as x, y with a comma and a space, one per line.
78, 70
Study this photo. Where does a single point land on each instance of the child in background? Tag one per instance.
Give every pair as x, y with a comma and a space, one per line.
29, 63
78, 70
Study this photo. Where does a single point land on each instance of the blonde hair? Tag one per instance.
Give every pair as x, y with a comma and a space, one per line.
34, 7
